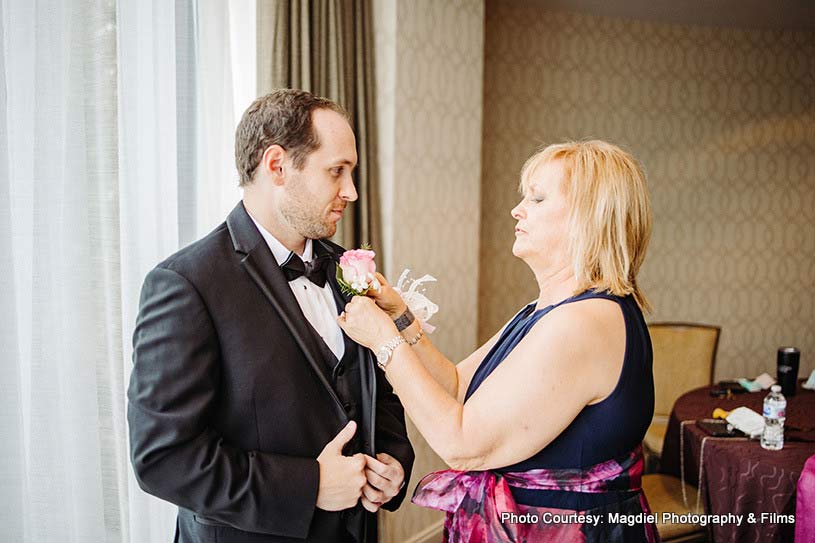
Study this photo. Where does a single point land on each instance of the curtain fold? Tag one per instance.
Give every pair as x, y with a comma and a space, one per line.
216, 181
60, 126
11, 422
104, 171
154, 166
325, 47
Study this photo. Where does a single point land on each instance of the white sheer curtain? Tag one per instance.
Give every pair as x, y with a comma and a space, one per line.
105, 169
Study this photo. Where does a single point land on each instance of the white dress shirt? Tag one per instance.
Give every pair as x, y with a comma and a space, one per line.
317, 303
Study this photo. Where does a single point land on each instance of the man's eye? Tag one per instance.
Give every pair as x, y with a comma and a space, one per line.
337, 171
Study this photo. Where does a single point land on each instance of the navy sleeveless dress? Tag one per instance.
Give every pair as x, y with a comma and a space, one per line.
609, 429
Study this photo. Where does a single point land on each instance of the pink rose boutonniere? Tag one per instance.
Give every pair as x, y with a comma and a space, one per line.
356, 272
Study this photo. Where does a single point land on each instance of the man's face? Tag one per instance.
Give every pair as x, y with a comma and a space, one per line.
316, 196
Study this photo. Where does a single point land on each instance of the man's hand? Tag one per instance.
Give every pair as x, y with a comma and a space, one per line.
341, 477
385, 476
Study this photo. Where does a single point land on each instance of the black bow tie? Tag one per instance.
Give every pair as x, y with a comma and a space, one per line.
314, 270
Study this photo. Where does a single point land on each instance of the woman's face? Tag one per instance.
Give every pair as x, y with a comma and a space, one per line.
541, 234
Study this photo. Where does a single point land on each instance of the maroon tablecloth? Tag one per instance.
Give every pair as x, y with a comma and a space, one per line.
738, 475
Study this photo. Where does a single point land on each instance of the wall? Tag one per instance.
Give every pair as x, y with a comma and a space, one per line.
723, 121
429, 58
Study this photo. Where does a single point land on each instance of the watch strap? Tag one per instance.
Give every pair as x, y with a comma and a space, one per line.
404, 320
386, 351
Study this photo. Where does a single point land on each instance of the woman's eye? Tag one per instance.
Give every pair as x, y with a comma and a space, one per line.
337, 171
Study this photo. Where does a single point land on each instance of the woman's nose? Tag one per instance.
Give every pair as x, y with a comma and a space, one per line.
517, 212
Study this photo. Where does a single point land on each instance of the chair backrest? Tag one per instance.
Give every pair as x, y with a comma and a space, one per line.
684, 359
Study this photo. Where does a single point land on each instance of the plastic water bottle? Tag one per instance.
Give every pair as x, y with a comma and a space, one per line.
775, 412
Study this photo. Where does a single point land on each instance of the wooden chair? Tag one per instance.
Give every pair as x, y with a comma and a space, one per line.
664, 494
684, 359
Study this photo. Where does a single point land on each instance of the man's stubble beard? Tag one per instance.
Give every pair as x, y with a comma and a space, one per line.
301, 214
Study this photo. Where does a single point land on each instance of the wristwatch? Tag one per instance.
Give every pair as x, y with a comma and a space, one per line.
384, 354
404, 320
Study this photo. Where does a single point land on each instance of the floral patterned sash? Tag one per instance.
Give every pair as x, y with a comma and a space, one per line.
475, 500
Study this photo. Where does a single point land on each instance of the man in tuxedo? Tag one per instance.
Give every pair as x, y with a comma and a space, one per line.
248, 406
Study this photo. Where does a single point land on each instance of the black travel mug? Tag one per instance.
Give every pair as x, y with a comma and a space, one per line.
789, 358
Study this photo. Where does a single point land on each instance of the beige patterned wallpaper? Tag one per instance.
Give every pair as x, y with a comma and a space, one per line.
723, 121
429, 62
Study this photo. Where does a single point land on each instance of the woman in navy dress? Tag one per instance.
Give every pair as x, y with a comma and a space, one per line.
542, 424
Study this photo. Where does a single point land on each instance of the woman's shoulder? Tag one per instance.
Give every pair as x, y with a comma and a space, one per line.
592, 325
588, 309
581, 324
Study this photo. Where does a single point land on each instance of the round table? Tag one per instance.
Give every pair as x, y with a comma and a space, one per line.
738, 476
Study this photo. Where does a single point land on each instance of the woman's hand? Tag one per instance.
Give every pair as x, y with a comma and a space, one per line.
367, 324
387, 298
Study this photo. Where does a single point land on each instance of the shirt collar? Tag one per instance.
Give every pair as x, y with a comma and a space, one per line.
280, 252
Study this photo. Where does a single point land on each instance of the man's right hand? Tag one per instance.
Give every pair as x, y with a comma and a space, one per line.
342, 478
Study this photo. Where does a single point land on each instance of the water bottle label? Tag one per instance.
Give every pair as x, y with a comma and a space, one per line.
775, 412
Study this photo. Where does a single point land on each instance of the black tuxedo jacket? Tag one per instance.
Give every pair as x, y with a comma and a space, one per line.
230, 403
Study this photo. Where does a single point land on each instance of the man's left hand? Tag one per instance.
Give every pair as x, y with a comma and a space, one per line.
385, 477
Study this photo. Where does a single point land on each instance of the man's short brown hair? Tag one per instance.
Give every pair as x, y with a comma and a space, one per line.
283, 118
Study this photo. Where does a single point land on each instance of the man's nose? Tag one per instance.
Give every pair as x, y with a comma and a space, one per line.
348, 191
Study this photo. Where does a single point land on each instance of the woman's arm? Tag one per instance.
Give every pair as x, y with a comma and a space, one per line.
571, 358
453, 378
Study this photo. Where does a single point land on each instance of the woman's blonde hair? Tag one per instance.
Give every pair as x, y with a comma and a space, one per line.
609, 213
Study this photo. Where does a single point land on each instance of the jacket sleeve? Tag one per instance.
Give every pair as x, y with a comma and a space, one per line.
391, 434
176, 454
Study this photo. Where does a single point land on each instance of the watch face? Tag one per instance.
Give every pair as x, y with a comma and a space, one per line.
382, 355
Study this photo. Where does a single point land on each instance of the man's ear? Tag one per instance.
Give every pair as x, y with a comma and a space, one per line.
273, 163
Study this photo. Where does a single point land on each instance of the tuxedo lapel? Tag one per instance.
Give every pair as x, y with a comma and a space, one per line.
364, 356
262, 267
